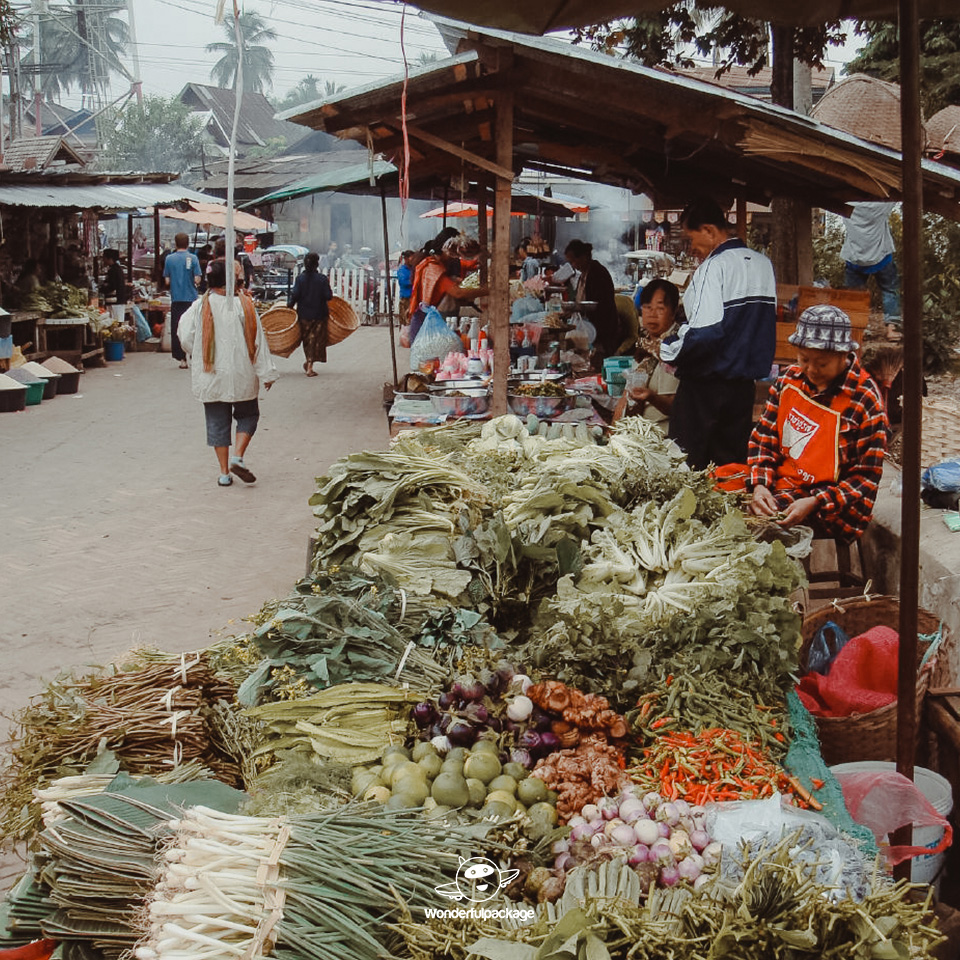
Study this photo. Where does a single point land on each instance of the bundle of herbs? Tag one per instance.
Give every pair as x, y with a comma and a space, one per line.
151, 717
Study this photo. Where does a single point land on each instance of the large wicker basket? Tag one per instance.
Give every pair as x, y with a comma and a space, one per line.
282, 330
941, 430
343, 321
866, 736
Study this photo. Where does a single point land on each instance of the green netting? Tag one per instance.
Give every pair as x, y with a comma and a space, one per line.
805, 762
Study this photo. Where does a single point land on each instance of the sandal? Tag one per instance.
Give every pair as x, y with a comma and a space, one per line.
183, 364
238, 467
894, 333
224, 480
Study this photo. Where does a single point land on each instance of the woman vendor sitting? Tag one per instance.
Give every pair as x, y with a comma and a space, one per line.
659, 302
816, 455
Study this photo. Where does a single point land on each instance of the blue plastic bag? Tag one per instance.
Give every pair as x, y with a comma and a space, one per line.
434, 340
943, 477
827, 642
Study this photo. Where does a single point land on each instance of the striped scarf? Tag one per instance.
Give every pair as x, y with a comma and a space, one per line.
208, 339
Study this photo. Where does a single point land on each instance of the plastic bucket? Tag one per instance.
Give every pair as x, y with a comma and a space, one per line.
928, 867
113, 350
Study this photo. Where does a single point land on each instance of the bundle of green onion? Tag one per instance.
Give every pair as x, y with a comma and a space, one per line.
320, 887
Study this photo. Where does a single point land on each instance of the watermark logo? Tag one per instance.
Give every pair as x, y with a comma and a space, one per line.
478, 880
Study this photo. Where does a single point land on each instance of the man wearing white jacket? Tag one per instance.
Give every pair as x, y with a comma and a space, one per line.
727, 343
229, 357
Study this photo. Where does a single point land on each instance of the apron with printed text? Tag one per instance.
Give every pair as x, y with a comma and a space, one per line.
809, 438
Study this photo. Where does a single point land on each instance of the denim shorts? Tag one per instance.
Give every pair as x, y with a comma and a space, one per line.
218, 414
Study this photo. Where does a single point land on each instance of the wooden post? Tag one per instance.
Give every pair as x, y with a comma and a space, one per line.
500, 279
129, 248
386, 280
742, 217
482, 236
157, 273
446, 200
912, 309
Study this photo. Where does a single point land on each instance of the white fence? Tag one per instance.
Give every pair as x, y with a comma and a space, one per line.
352, 284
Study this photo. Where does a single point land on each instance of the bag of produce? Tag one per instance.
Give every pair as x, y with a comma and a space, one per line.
582, 336
434, 340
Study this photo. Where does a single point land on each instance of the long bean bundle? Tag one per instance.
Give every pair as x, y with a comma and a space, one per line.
311, 888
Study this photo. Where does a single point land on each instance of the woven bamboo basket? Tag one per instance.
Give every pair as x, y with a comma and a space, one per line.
343, 321
282, 330
941, 430
866, 736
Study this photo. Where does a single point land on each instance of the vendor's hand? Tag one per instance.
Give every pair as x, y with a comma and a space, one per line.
764, 503
641, 394
268, 384
798, 511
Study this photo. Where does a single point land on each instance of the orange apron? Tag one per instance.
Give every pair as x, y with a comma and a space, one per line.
809, 438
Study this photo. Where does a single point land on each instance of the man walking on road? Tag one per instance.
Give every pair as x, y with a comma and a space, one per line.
230, 358
181, 271
727, 343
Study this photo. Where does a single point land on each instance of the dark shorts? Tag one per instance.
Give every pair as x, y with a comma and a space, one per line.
218, 415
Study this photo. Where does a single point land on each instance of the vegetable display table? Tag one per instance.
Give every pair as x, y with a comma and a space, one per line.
64, 336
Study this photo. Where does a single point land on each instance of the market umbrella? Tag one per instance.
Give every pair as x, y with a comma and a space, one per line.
539, 18
215, 214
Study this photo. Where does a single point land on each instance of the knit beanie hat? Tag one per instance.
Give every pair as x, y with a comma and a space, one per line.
824, 327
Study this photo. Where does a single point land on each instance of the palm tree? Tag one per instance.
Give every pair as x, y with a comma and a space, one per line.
79, 46
257, 58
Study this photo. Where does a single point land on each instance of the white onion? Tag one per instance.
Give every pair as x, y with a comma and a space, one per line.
519, 709
683, 808
680, 843
560, 846
647, 832
711, 853
667, 813
651, 801
664, 829
598, 840
633, 815
690, 869
576, 820
610, 825
629, 804
623, 835
564, 862
609, 808
590, 812
668, 876
581, 831
519, 682
702, 881
630, 791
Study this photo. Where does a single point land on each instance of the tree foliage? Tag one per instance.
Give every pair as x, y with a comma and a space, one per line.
308, 90
257, 56
939, 59
158, 135
68, 34
691, 28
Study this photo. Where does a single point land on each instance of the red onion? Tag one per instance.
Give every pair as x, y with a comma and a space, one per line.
699, 839
664, 829
447, 700
564, 862
660, 852
461, 734
609, 808
529, 740
471, 689
521, 756
541, 721
424, 714
669, 876
476, 712
639, 854
549, 742
690, 867
582, 831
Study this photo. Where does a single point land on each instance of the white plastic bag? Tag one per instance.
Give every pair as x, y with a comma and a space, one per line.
582, 336
434, 340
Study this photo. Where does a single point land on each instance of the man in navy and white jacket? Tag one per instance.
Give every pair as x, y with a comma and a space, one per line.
727, 343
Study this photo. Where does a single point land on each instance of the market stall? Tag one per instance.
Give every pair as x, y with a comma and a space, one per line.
531, 688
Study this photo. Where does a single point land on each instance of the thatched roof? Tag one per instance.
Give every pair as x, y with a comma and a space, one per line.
864, 106
943, 131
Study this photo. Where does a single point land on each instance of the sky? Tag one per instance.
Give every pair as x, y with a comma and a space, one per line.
352, 42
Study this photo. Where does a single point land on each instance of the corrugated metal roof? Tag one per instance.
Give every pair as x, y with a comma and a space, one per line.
330, 180
105, 196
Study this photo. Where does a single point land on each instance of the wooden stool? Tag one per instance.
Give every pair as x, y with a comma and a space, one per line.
849, 584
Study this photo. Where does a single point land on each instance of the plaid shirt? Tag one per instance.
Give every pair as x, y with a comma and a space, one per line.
846, 506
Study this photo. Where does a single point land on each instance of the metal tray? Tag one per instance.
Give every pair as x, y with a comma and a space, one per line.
541, 407
460, 406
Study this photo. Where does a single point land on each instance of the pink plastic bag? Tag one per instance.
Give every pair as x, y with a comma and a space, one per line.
886, 800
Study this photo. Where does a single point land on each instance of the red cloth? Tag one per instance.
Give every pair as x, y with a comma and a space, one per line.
863, 677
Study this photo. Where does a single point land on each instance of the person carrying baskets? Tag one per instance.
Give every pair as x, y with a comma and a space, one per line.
311, 295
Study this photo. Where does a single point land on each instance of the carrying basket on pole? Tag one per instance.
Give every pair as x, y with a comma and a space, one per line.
282, 330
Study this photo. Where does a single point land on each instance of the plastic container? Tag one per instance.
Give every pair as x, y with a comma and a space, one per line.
113, 350
937, 789
35, 385
13, 395
38, 370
